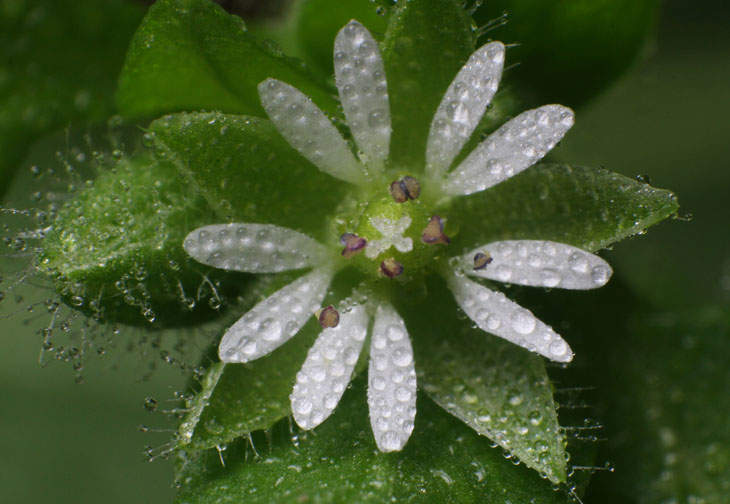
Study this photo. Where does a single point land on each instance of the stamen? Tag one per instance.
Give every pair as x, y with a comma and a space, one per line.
353, 244
404, 189
433, 233
399, 191
482, 260
390, 268
413, 188
328, 317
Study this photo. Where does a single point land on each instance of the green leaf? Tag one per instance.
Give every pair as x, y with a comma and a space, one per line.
666, 410
192, 55
247, 172
590, 208
426, 43
115, 249
237, 399
569, 50
444, 461
497, 388
59, 63
318, 21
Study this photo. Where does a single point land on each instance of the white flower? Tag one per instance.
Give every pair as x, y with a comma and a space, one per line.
265, 248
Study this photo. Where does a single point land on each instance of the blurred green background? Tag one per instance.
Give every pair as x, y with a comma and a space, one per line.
667, 119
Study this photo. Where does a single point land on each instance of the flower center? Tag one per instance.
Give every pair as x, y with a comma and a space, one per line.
395, 234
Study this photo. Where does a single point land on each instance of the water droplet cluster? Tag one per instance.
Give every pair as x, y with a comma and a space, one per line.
308, 130
363, 91
253, 248
274, 320
327, 369
495, 313
463, 106
540, 264
392, 381
515, 146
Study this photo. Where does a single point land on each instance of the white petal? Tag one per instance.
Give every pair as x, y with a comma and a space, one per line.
540, 264
308, 130
392, 381
328, 368
360, 78
463, 106
274, 321
494, 313
253, 248
518, 144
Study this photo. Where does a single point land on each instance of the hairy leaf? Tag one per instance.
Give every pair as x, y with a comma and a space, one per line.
116, 247
444, 461
590, 208
237, 399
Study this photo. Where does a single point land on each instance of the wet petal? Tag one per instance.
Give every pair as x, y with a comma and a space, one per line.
518, 144
391, 381
494, 313
253, 248
328, 368
274, 321
463, 106
360, 78
540, 264
308, 130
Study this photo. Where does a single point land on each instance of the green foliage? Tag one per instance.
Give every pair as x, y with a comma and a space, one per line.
116, 248
495, 387
659, 430
587, 207
246, 170
426, 43
59, 62
192, 55
569, 50
444, 461
318, 21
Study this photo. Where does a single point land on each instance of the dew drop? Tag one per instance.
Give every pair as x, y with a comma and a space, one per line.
150, 404
377, 118
402, 357
578, 262
523, 322
558, 348
549, 277
599, 275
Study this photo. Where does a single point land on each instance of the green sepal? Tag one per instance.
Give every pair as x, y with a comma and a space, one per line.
237, 399
426, 44
247, 172
499, 389
590, 208
115, 249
